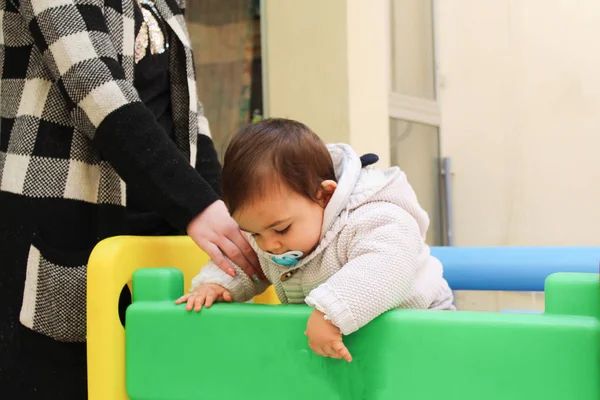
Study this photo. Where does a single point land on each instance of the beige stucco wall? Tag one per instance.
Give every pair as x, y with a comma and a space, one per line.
325, 65
519, 91
520, 103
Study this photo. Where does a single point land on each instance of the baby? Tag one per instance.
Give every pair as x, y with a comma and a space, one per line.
329, 230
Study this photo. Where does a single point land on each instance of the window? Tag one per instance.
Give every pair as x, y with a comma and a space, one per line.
413, 109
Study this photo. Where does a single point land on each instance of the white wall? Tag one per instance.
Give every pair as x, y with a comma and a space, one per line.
520, 101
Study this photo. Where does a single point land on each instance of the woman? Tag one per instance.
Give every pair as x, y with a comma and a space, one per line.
100, 132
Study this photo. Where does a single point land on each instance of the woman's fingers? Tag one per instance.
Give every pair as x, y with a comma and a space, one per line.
216, 255
243, 252
235, 254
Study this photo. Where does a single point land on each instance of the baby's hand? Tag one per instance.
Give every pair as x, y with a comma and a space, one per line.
324, 338
206, 295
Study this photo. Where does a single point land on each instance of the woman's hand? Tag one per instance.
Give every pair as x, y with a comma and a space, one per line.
324, 338
215, 232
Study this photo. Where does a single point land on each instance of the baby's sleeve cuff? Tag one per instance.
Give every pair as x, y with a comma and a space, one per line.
240, 287
324, 299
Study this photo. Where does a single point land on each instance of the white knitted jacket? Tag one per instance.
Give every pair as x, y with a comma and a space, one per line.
371, 258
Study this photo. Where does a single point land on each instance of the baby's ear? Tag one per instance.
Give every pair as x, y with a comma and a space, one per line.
328, 186
326, 191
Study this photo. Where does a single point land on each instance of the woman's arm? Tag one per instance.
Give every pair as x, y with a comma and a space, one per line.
73, 39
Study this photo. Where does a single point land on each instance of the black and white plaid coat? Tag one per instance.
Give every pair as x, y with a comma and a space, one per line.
73, 130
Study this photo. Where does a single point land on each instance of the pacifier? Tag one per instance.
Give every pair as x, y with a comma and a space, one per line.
288, 259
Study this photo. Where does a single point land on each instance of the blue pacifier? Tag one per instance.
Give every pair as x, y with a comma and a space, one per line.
288, 259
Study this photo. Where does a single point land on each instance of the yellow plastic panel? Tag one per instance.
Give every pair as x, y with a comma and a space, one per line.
111, 266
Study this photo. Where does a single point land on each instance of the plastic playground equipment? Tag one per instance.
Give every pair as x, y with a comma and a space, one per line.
258, 351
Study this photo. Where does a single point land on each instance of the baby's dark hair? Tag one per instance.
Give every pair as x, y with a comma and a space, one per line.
274, 151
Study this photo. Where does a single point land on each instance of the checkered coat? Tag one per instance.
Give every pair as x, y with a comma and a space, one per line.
73, 130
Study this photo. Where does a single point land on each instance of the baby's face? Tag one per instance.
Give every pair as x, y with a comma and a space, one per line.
283, 221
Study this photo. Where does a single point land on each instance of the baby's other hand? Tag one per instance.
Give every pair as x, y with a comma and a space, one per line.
324, 338
206, 295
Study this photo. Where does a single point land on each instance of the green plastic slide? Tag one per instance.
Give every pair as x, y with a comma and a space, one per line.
246, 351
